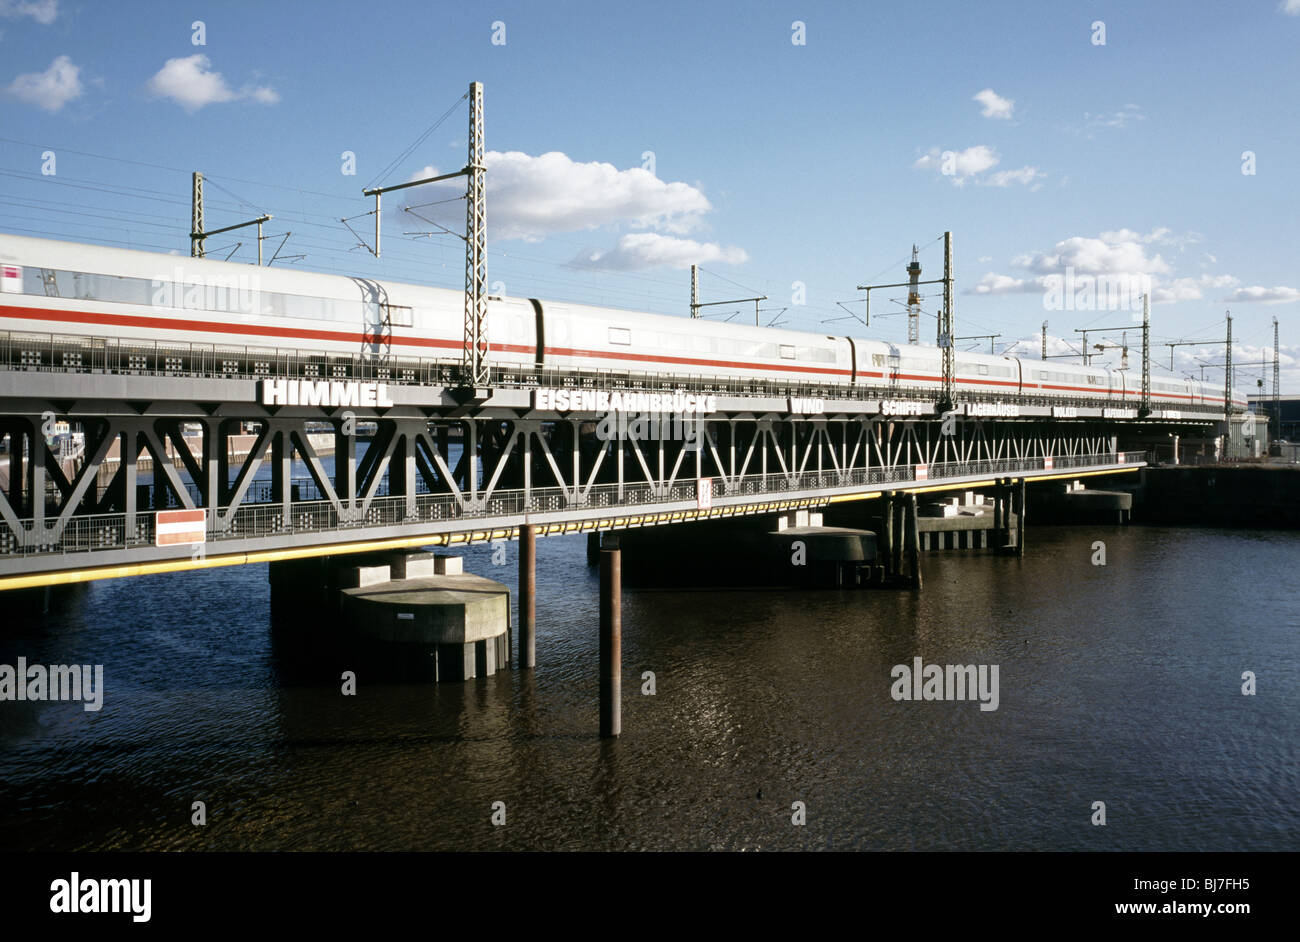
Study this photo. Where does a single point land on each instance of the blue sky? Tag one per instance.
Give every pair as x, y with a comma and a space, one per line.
774, 161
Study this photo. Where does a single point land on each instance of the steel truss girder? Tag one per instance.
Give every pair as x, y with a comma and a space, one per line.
416, 467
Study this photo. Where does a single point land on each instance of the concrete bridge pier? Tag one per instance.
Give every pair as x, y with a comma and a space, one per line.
611, 639
413, 616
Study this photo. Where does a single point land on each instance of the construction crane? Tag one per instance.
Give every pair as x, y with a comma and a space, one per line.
913, 300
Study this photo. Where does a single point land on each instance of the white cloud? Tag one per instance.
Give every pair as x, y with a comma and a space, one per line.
191, 83
1276, 295
1092, 121
265, 95
532, 197
995, 106
1290, 7
971, 164
1004, 178
1128, 235
1113, 255
51, 89
1159, 236
959, 165
1189, 289
42, 11
640, 250
993, 283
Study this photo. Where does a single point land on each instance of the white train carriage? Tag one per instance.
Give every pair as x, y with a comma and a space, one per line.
145, 298
171, 312
581, 337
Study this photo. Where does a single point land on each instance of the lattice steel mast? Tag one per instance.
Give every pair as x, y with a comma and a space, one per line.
1227, 372
1277, 386
475, 347
946, 324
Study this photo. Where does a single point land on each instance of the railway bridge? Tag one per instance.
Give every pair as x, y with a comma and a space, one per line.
271, 465
179, 462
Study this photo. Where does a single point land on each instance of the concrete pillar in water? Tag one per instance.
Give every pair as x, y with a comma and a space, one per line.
913, 542
527, 596
611, 642
1020, 518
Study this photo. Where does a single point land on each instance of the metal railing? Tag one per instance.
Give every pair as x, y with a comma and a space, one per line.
97, 532
62, 353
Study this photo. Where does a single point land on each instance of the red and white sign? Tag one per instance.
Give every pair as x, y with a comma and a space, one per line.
1048, 464
174, 527
923, 472
704, 493
11, 279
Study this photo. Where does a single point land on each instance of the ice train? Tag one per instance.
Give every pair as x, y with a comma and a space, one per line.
60, 302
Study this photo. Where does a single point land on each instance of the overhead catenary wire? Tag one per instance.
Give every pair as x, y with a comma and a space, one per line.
303, 218
107, 224
387, 171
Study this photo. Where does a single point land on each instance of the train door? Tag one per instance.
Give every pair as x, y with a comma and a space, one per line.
540, 321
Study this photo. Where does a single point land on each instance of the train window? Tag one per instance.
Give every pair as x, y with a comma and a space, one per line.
398, 315
111, 288
984, 370
787, 352
877, 359
1042, 374
234, 294
620, 335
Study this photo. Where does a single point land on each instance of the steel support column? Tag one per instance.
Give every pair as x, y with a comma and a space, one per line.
611, 642
527, 596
